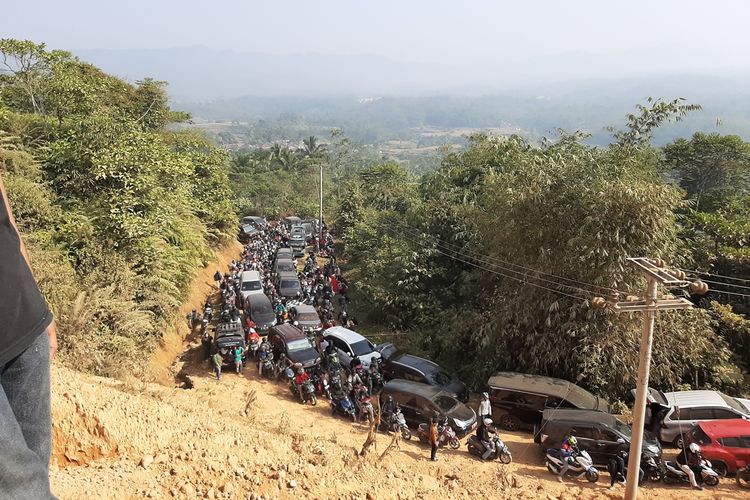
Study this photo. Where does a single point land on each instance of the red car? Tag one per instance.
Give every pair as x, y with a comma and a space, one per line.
725, 443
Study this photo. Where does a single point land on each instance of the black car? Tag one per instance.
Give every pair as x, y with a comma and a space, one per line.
258, 307
398, 364
601, 434
421, 402
291, 341
227, 337
306, 316
518, 399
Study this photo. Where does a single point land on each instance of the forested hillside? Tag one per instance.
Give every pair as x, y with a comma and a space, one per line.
118, 211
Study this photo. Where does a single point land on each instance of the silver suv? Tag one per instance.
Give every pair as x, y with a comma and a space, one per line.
682, 410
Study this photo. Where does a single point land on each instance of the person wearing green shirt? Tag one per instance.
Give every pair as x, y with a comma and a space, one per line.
238, 359
218, 361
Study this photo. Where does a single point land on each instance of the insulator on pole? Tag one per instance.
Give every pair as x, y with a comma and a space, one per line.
679, 274
598, 303
657, 262
632, 298
699, 287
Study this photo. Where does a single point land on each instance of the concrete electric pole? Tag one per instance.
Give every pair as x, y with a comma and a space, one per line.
656, 274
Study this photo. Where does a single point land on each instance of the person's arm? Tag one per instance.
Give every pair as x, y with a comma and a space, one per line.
52, 328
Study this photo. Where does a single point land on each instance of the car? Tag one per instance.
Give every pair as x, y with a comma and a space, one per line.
291, 341
284, 264
682, 410
255, 220
311, 227
288, 285
250, 284
284, 252
725, 443
599, 433
520, 398
398, 364
227, 337
259, 309
291, 221
421, 402
247, 233
297, 230
349, 344
306, 316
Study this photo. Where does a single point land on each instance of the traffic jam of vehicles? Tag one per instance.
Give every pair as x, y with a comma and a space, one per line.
283, 312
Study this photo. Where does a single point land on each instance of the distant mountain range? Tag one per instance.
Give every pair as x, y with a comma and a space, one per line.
371, 94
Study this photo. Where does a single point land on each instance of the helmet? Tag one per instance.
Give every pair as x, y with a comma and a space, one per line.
296, 323
485, 395
487, 421
695, 448
572, 441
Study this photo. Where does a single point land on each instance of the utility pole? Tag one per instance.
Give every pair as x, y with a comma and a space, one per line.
320, 223
656, 274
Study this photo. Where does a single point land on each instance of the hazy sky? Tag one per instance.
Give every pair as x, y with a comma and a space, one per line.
708, 34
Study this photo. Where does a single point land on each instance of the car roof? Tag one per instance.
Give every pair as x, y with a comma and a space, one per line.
289, 332
287, 274
690, 399
531, 383
578, 416
424, 390
344, 334
257, 298
725, 428
421, 364
250, 275
228, 329
304, 308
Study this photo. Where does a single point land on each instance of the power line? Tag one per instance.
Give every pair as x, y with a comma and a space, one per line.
489, 261
693, 271
723, 283
505, 275
510, 277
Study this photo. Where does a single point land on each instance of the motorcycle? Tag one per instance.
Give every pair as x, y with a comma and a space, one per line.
265, 364
579, 464
366, 409
252, 349
395, 422
652, 470
673, 474
307, 393
501, 450
343, 405
743, 477
446, 435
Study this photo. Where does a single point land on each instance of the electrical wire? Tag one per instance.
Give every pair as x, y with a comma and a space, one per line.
693, 271
723, 283
415, 231
524, 274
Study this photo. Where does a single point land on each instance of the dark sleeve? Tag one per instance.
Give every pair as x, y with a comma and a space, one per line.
24, 314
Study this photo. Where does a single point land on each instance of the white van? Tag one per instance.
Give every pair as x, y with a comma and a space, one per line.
250, 284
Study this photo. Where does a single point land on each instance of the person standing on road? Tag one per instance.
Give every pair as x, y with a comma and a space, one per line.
238, 351
433, 437
485, 408
217, 279
27, 343
218, 361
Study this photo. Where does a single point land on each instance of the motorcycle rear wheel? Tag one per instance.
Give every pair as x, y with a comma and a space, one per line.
454, 443
711, 480
505, 457
313, 399
655, 475
406, 433
592, 475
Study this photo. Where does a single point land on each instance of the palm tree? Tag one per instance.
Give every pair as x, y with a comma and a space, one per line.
311, 147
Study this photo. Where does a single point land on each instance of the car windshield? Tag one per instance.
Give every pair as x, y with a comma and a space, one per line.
308, 316
734, 404
290, 284
441, 377
251, 285
445, 403
298, 345
623, 429
361, 348
582, 398
700, 437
